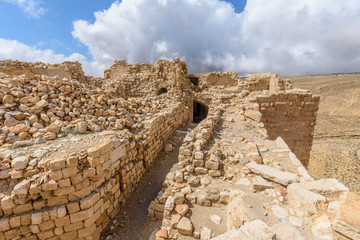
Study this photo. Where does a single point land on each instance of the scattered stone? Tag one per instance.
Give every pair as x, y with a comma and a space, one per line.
168, 147
185, 226
322, 228
260, 184
205, 233
329, 187
162, 233
216, 219
255, 230
304, 202
273, 174
285, 230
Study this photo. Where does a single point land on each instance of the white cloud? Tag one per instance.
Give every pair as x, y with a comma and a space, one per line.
11, 49
287, 37
30, 7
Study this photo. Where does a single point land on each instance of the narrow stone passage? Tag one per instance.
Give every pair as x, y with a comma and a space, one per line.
132, 222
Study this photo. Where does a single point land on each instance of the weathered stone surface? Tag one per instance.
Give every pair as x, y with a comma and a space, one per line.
20, 163
205, 233
303, 201
185, 226
322, 228
170, 203
347, 220
260, 184
329, 187
273, 174
285, 230
255, 230
162, 233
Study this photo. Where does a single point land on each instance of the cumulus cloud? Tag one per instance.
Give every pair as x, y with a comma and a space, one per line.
32, 8
287, 37
12, 49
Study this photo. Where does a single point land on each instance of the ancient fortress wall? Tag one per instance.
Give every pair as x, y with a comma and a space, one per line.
79, 194
69, 70
285, 112
143, 79
292, 116
74, 195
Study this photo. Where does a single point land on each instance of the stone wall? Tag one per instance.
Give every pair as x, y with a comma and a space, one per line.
292, 116
75, 197
144, 79
208, 80
69, 70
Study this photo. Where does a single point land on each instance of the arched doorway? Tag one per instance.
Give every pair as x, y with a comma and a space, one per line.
200, 112
161, 91
194, 80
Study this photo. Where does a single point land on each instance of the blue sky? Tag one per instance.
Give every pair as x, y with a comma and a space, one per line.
52, 29
247, 36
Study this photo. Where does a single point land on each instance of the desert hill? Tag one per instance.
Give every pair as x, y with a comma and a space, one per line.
336, 147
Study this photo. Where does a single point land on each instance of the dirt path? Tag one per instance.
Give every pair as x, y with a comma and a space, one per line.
132, 222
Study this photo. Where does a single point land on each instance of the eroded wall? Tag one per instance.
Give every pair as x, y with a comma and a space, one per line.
84, 190
292, 116
143, 79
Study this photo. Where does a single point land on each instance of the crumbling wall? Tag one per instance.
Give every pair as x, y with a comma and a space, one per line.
264, 81
144, 79
75, 197
69, 70
208, 80
292, 116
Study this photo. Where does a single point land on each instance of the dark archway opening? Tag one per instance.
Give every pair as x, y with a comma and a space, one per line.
194, 80
200, 112
161, 91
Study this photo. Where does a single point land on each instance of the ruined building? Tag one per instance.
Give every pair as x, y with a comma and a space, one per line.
246, 157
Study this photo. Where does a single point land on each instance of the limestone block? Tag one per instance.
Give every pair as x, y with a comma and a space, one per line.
304, 202
20, 163
322, 229
285, 230
329, 187
255, 230
347, 220
273, 174
185, 226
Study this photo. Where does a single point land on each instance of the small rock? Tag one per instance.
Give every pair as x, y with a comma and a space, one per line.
216, 219
170, 203
205, 234
168, 147
185, 226
162, 233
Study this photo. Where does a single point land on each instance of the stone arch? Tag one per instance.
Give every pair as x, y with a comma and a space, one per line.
200, 111
161, 91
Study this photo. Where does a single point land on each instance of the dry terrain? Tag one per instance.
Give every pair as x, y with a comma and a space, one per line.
336, 147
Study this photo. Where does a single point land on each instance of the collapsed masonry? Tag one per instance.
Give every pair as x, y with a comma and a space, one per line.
73, 149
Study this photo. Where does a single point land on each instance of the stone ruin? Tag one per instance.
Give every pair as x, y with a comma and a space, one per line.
245, 159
